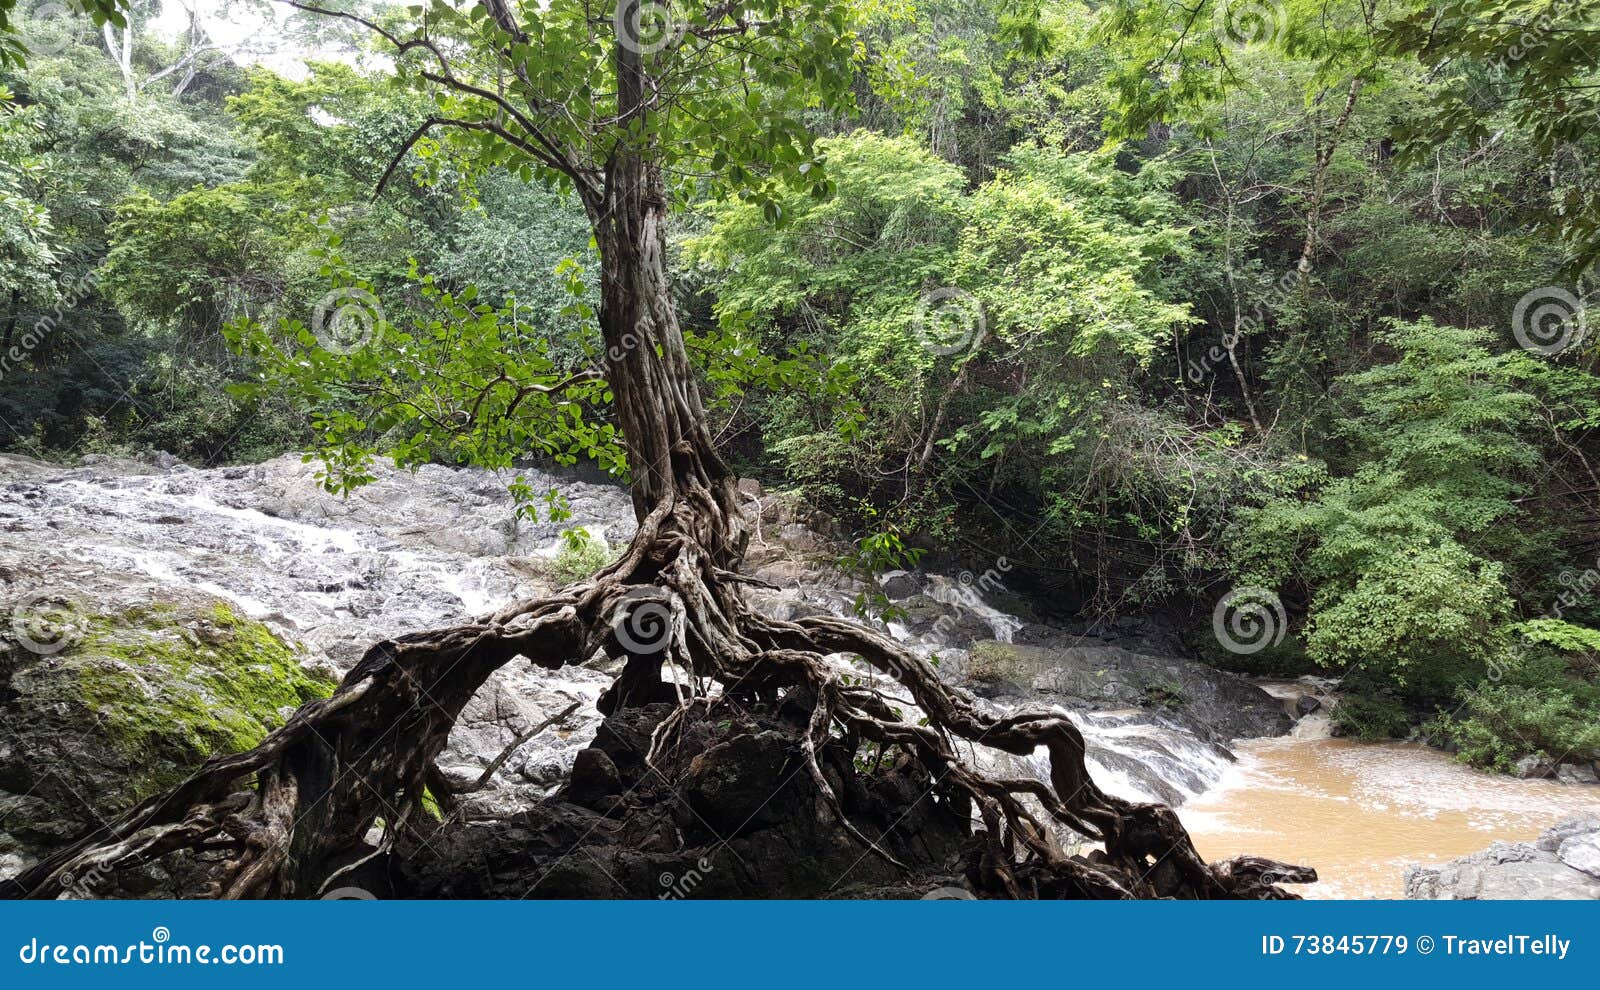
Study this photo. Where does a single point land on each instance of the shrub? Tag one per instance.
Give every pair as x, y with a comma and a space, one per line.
1371, 717
580, 555
1499, 724
1422, 620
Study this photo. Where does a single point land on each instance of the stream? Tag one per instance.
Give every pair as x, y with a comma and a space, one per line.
1362, 812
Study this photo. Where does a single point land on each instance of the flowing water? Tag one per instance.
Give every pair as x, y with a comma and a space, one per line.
1362, 812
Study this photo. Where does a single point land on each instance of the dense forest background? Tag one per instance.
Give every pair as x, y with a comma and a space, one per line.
1162, 302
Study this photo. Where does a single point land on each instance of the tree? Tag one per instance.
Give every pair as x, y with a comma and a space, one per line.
27, 248
1525, 64
616, 108
102, 12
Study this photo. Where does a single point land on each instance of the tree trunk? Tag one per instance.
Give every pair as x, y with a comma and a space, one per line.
658, 407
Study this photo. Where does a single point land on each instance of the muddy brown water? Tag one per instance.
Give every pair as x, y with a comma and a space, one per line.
1361, 812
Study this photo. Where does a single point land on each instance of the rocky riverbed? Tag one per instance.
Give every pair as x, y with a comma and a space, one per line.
157, 614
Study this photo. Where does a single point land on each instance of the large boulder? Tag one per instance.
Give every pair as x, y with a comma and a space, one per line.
1562, 865
1582, 853
103, 704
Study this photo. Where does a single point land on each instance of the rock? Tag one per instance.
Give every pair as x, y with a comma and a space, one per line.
899, 585
1582, 853
1533, 882
1219, 706
799, 535
730, 786
1553, 837
1307, 704
594, 781
1534, 766
1519, 870
1577, 773
1135, 632
927, 619
413, 550
715, 819
127, 699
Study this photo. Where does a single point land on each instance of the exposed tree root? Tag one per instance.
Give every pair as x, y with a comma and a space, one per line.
288, 818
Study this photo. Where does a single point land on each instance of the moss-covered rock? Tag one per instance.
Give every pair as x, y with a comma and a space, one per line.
137, 698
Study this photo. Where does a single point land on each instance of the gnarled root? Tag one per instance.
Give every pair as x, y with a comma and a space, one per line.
288, 818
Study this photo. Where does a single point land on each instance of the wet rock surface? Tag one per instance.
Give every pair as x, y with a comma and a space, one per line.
102, 706
1215, 705
1563, 864
111, 542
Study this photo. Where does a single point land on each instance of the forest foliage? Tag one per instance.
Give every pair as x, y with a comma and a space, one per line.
1162, 299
